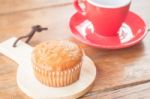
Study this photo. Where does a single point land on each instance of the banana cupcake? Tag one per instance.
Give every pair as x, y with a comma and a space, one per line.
57, 63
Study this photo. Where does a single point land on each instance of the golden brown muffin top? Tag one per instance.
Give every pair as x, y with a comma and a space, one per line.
57, 55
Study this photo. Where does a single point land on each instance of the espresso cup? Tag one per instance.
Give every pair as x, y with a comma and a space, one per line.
106, 16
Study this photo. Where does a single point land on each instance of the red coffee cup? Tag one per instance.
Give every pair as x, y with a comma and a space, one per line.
106, 16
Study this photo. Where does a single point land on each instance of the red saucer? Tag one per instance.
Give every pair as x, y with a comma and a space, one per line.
131, 32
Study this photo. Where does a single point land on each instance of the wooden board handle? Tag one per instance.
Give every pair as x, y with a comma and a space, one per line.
20, 54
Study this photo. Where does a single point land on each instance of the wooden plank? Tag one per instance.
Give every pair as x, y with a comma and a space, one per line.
11, 6
136, 92
115, 68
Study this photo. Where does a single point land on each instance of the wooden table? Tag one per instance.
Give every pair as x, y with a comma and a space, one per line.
121, 74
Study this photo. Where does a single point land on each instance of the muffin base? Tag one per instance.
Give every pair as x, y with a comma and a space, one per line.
57, 78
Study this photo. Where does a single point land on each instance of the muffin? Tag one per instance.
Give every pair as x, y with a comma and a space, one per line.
57, 63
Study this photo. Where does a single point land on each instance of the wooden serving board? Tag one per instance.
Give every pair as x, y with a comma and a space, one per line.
33, 88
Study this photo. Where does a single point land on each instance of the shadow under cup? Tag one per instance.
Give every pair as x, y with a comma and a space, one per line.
106, 16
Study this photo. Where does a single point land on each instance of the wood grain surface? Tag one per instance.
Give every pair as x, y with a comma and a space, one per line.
136, 92
116, 69
15, 6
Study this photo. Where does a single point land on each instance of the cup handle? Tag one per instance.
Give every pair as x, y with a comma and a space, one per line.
78, 7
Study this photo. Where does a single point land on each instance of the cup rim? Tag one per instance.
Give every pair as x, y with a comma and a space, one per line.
108, 6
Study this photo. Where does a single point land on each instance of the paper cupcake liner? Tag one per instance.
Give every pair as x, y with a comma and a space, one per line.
57, 78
